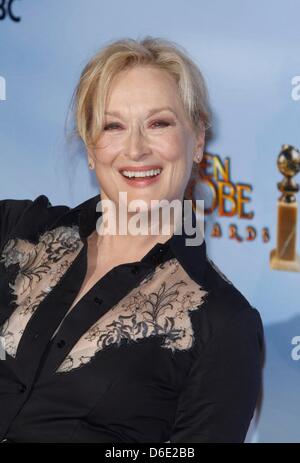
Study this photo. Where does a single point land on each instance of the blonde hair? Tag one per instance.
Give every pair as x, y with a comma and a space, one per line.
89, 97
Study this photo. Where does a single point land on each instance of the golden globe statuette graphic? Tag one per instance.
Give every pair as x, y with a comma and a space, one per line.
284, 257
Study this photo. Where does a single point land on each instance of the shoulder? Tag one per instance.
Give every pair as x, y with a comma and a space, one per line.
24, 218
227, 311
11, 210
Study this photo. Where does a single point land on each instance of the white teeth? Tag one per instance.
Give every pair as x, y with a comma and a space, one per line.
146, 173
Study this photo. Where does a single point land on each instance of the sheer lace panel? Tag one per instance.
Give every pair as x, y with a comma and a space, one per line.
41, 266
160, 305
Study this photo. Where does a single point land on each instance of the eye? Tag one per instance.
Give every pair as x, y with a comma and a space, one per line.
160, 122
109, 126
113, 125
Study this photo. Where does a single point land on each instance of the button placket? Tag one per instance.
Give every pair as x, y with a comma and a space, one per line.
135, 269
101, 299
22, 388
61, 343
158, 256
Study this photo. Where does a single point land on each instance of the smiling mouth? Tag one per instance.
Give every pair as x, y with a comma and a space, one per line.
141, 175
141, 178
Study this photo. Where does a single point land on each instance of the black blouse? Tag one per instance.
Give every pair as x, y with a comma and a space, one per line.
165, 349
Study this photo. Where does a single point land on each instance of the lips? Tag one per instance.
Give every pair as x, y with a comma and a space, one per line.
141, 182
139, 169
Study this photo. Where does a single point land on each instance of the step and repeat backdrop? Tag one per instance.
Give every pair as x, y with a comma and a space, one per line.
249, 54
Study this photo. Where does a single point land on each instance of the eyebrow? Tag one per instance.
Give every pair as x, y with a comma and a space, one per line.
150, 113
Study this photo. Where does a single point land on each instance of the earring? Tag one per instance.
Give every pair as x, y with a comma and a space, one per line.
198, 157
90, 166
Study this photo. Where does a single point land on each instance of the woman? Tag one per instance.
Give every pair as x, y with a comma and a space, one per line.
124, 337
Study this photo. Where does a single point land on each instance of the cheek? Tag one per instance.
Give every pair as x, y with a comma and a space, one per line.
104, 156
171, 148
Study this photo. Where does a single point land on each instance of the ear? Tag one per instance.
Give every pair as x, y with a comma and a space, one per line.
200, 137
90, 157
199, 143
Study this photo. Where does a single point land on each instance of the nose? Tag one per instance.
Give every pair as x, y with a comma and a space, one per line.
136, 144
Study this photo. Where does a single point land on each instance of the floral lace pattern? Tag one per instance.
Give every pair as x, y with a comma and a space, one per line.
41, 266
160, 305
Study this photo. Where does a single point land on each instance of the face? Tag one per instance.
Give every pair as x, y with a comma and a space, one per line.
139, 134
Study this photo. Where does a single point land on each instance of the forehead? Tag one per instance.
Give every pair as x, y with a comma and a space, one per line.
143, 85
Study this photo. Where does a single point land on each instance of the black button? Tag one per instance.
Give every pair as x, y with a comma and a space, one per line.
4, 440
22, 388
61, 343
36, 335
156, 258
135, 269
98, 300
159, 256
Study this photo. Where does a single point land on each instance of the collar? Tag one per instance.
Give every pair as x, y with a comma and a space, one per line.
192, 258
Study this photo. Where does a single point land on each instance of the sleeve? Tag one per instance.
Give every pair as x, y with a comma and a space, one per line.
11, 210
35, 211
219, 397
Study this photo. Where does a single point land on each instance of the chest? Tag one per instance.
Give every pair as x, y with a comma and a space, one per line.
97, 268
159, 305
